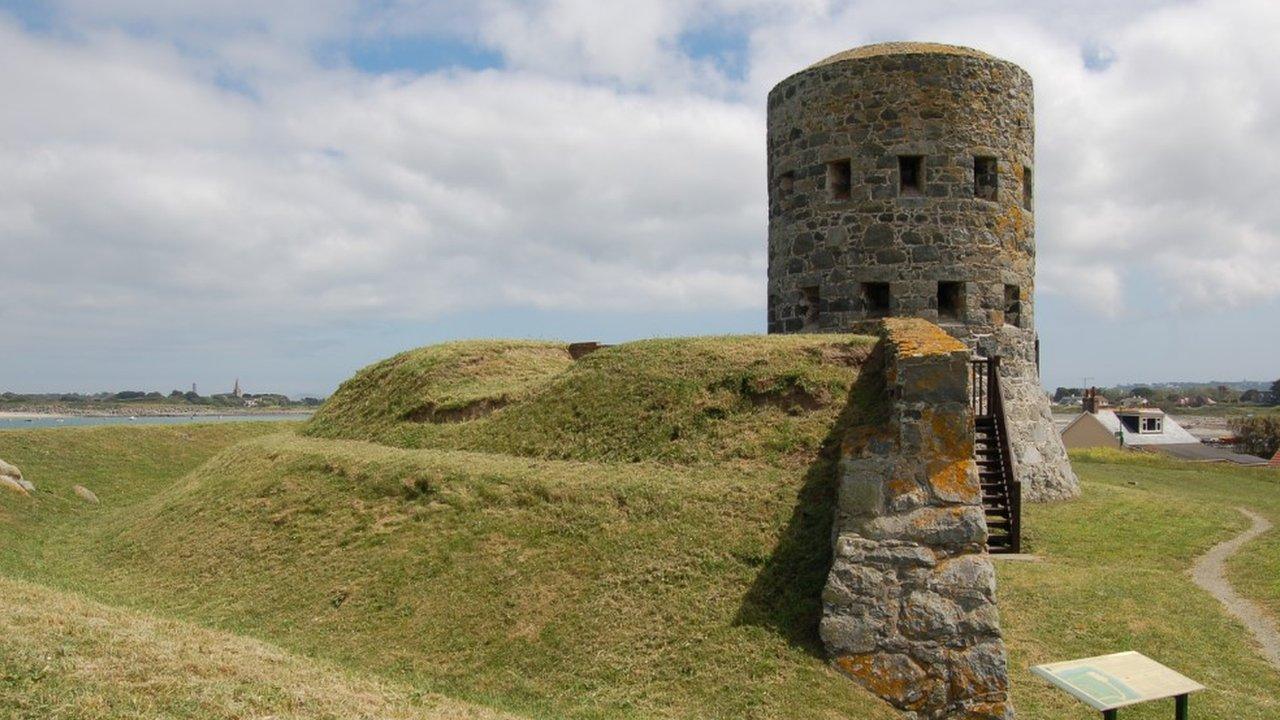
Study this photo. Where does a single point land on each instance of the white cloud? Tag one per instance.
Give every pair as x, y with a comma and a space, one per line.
349, 195
210, 166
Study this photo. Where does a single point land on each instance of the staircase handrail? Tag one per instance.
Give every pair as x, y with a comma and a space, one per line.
1013, 487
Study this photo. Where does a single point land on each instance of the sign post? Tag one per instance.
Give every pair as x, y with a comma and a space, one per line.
1110, 682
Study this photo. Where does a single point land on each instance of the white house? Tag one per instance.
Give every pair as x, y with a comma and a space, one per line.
1143, 429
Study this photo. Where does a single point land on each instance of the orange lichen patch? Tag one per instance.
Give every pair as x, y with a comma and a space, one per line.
902, 48
893, 677
914, 337
953, 482
900, 485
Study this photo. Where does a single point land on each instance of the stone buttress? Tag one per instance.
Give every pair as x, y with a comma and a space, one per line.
909, 607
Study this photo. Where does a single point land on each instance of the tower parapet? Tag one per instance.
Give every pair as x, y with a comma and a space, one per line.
901, 183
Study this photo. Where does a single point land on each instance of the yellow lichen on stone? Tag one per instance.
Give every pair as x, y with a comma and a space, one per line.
953, 482
915, 337
890, 676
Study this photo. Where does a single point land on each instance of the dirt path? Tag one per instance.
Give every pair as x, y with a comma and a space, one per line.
1209, 573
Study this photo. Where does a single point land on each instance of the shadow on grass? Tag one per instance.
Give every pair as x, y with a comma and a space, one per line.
786, 595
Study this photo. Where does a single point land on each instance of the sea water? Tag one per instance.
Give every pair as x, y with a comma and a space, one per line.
51, 421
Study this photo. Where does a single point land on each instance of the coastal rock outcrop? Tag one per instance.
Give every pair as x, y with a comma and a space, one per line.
86, 494
11, 477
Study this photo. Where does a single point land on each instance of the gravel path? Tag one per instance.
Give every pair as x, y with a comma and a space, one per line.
1209, 573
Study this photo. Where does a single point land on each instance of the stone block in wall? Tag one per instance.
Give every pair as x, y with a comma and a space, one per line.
909, 605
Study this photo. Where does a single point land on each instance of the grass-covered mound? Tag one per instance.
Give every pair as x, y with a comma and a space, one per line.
522, 560
546, 588
444, 383
762, 398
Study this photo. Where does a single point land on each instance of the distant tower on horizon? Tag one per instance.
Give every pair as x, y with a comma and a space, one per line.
900, 184
236, 390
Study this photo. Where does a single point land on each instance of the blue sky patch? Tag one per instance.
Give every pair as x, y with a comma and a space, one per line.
419, 55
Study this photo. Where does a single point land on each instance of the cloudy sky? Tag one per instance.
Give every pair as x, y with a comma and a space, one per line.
285, 191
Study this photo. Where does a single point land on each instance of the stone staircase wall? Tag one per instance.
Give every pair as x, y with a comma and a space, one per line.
909, 608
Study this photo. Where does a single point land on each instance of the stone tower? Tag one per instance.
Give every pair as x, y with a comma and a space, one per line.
901, 183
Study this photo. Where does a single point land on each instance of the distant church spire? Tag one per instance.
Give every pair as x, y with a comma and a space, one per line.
236, 390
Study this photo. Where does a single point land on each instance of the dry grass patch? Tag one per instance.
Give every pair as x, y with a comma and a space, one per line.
67, 657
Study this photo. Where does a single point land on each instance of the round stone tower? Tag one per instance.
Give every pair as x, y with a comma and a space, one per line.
901, 183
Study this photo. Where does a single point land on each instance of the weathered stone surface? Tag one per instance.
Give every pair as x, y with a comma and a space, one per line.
895, 677
951, 107
979, 671
909, 605
960, 525
85, 494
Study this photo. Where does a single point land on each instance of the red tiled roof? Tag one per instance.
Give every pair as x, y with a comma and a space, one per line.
1275, 461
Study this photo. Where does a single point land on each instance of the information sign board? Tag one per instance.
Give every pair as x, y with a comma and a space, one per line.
1114, 681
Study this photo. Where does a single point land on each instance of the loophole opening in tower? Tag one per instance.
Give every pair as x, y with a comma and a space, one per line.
910, 174
1012, 305
812, 304
875, 298
950, 300
786, 187
839, 179
986, 178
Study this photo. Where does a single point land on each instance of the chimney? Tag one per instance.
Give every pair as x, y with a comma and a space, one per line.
1091, 400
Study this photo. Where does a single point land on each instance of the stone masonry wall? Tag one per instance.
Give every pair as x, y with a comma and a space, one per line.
850, 240
909, 607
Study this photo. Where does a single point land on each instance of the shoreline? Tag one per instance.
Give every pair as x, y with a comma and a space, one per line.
65, 414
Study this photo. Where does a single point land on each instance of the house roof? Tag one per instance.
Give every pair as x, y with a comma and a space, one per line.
1199, 452
1275, 461
1171, 434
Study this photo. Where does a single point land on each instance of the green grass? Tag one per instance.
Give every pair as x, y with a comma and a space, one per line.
659, 582
1114, 576
642, 533
714, 399
437, 380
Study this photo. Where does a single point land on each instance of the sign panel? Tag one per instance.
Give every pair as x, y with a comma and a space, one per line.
1108, 682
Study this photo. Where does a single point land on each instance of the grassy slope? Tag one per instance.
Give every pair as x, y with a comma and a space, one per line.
683, 585
63, 656
1114, 577
435, 380
122, 465
553, 588
686, 400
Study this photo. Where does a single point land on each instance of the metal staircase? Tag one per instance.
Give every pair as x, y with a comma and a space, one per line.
1001, 492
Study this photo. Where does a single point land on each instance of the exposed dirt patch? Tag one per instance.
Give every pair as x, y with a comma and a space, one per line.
783, 393
430, 413
842, 354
